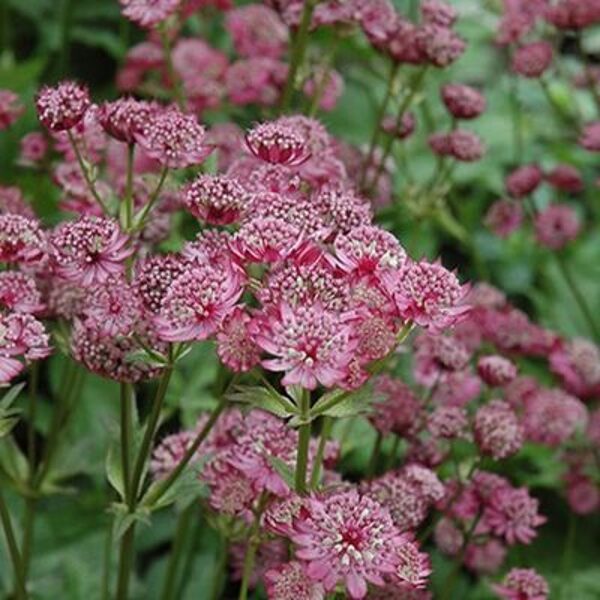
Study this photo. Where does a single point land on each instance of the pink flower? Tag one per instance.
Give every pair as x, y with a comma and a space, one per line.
230, 491
19, 293
578, 364
89, 250
396, 408
12, 201
34, 147
485, 557
572, 14
428, 294
125, 117
235, 345
448, 422
504, 217
524, 181
10, 108
531, 60
169, 453
590, 137
153, 278
496, 370
329, 84
556, 226
342, 209
149, 13
497, 430
438, 13
441, 46
311, 344
566, 178
278, 142
290, 581
436, 355
255, 81
21, 240
583, 494
257, 31
63, 106
174, 139
349, 539
465, 146
401, 130
462, 101
412, 567
216, 199
523, 584
197, 302
512, 514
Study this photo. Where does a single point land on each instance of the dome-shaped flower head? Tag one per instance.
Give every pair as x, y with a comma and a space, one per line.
552, 416
590, 137
463, 101
440, 143
216, 199
397, 409
448, 422
153, 277
366, 251
349, 539
328, 84
441, 46
342, 210
401, 130
169, 453
235, 345
496, 370
63, 106
485, 558
412, 567
504, 217
577, 363
290, 581
89, 250
311, 344
19, 293
512, 514
257, 30
34, 147
465, 146
556, 226
582, 494
531, 60
436, 355
566, 178
439, 13
572, 14
428, 294
21, 240
497, 430
148, 13
13, 201
174, 139
10, 108
197, 302
125, 117
21, 336
255, 80
278, 142
522, 584
524, 180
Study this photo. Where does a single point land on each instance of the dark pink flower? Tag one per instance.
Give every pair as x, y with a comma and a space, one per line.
89, 250
504, 217
573, 14
524, 181
34, 147
149, 13
590, 137
216, 199
125, 117
441, 46
19, 293
235, 345
153, 277
439, 13
290, 581
21, 239
577, 363
496, 370
63, 106
465, 146
556, 226
448, 422
10, 108
255, 81
463, 101
278, 142
497, 430
566, 178
396, 408
531, 60
404, 129
523, 584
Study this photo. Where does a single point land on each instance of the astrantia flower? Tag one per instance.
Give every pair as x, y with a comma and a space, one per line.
63, 106
578, 364
311, 344
485, 557
197, 302
412, 567
572, 14
440, 45
504, 217
235, 345
465, 146
401, 130
169, 453
231, 493
10, 108
428, 294
290, 581
556, 226
397, 410
438, 13
255, 80
278, 142
34, 147
125, 117
343, 210
174, 139
148, 13
590, 137
513, 515
216, 199
349, 539
13, 201
524, 181
89, 250
448, 422
496, 370
497, 430
437, 355
326, 82
21, 336
19, 293
532, 59
523, 584
566, 178
462, 101
153, 277
21, 240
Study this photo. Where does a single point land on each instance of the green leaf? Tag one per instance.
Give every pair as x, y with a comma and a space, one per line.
264, 398
343, 404
284, 471
124, 519
114, 468
13, 461
11, 395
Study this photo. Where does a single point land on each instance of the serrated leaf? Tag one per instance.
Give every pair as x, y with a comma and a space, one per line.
283, 470
265, 399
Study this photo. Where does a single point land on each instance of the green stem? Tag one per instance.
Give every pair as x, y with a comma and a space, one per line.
517, 120
375, 456
31, 415
126, 437
303, 443
567, 556
393, 453
126, 555
105, 585
13, 549
128, 199
253, 542
298, 50
183, 523
173, 76
86, 174
141, 218
567, 118
315, 476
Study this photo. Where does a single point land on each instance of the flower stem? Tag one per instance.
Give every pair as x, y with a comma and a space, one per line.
126, 437
375, 455
298, 50
31, 414
13, 550
315, 476
567, 555
128, 199
303, 443
126, 555
141, 218
253, 542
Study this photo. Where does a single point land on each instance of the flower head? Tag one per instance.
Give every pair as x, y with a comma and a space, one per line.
462, 101
34, 147
448, 422
497, 430
439, 13
524, 181
63, 106
577, 362
398, 409
590, 137
149, 13
441, 46
235, 345
290, 581
10, 108
21, 240
504, 217
566, 178
556, 226
531, 60
19, 293
216, 199
496, 370
125, 117
278, 142
523, 584
153, 277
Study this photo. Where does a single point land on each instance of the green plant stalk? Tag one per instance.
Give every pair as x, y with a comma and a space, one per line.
326, 428
567, 556
303, 443
128, 199
173, 76
375, 456
31, 415
86, 173
253, 542
126, 437
105, 585
126, 556
183, 523
322, 83
141, 220
567, 118
13, 550
298, 51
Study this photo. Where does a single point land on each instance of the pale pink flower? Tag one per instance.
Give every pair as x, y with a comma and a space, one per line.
396, 408
255, 81
496, 370
485, 557
465, 146
125, 117
235, 345
153, 276
10, 108
412, 567
504, 217
522, 584
583, 494
463, 101
590, 137
149, 13
458, 389
556, 226
497, 430
89, 250
230, 491
216, 199
577, 363
448, 537
13, 201
311, 344
280, 514
448, 422
169, 453
19, 293
290, 581
531, 60
63, 106
401, 130
21, 240
34, 147
437, 355
328, 83
343, 210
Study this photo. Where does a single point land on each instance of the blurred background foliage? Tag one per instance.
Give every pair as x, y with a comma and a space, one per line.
45, 40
